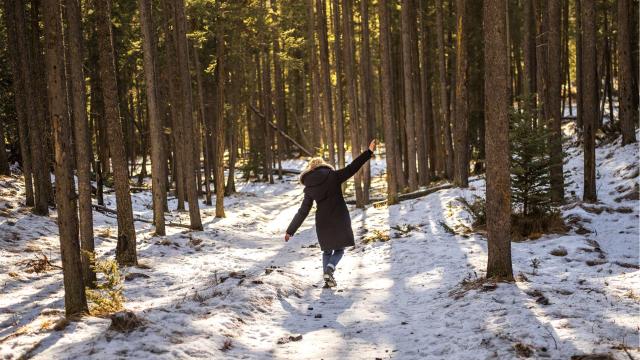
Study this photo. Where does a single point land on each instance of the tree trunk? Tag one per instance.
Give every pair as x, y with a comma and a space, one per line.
427, 105
155, 123
366, 85
20, 97
182, 62
554, 113
337, 47
327, 107
579, 76
175, 101
542, 70
498, 192
206, 130
219, 137
4, 161
39, 160
387, 105
528, 53
126, 248
628, 113
82, 140
461, 144
409, 114
314, 79
444, 95
75, 301
349, 70
589, 98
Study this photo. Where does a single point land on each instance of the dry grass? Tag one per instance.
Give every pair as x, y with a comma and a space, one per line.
105, 233
38, 265
227, 345
533, 227
376, 235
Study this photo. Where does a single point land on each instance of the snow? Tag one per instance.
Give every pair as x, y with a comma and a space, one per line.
238, 281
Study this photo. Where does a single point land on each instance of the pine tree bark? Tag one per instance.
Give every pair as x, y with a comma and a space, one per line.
206, 131
554, 114
19, 94
337, 47
409, 114
368, 118
387, 105
444, 95
219, 137
498, 192
126, 248
45, 143
352, 106
190, 163
628, 114
4, 161
314, 79
542, 69
579, 76
176, 103
37, 139
74, 296
427, 105
416, 83
461, 144
82, 140
528, 52
589, 98
158, 187
325, 74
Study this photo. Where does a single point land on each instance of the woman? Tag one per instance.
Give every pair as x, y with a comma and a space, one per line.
322, 184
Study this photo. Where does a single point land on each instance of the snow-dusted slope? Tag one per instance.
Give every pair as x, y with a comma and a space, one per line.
235, 289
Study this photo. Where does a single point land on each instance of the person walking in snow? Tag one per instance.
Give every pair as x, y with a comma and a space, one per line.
322, 184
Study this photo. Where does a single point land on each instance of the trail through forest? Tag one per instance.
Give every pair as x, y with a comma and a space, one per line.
237, 290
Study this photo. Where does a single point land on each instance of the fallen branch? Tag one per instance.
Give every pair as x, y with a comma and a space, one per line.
106, 210
380, 201
276, 128
39, 264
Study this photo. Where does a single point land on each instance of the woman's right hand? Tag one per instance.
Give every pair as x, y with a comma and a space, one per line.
372, 145
286, 237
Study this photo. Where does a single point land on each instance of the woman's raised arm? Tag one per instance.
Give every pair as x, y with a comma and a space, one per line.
356, 164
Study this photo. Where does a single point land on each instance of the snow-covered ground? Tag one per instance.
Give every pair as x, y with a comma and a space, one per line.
237, 290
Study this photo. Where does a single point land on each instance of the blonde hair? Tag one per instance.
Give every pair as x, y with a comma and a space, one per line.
313, 164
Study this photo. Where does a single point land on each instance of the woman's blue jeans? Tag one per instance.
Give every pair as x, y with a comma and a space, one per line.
331, 257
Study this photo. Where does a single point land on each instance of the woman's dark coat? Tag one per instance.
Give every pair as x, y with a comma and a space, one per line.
333, 223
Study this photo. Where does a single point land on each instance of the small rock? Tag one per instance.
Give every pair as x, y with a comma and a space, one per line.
542, 300
318, 316
607, 356
286, 339
135, 275
489, 286
61, 324
125, 321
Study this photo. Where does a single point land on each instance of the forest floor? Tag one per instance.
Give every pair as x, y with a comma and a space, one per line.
237, 290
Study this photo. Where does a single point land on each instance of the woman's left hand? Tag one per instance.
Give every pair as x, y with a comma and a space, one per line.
286, 237
372, 145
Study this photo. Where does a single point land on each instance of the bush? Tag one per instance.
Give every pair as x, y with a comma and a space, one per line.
477, 208
107, 297
530, 164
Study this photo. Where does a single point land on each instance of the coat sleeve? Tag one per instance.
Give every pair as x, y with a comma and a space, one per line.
352, 169
302, 213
